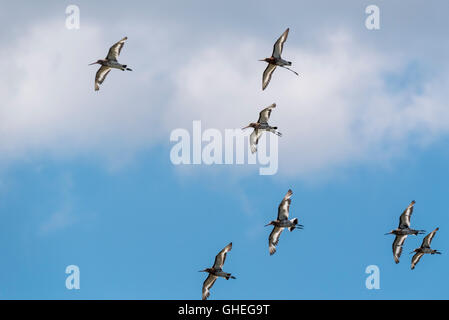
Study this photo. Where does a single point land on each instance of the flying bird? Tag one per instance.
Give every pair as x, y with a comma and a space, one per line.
275, 60
282, 222
260, 126
216, 271
110, 62
425, 248
403, 231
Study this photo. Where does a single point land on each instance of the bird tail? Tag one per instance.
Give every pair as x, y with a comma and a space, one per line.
436, 252
295, 222
273, 130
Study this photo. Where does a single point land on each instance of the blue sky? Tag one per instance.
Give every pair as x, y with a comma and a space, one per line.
86, 178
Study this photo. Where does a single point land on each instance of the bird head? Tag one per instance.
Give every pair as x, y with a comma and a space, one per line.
251, 125
265, 60
269, 224
98, 61
205, 270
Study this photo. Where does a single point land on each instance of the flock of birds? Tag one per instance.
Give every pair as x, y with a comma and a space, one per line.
279, 224
401, 233
282, 221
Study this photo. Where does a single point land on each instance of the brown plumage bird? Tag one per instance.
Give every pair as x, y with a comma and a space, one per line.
275, 60
425, 248
402, 231
260, 126
216, 271
282, 222
110, 62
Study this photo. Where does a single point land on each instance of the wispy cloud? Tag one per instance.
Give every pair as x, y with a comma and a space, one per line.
59, 220
62, 218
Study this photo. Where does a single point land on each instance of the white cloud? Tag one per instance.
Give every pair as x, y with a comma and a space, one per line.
337, 112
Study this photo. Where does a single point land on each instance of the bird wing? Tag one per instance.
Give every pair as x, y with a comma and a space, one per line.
207, 284
284, 206
221, 257
428, 239
397, 247
416, 258
267, 75
404, 219
264, 115
100, 76
279, 45
273, 239
114, 51
254, 139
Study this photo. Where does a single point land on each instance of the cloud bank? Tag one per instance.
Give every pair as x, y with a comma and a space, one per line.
343, 109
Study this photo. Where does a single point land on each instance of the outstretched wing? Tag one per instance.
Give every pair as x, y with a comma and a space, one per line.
208, 283
267, 75
279, 45
397, 247
254, 139
221, 257
416, 258
114, 51
404, 219
284, 206
273, 239
428, 239
100, 76
264, 115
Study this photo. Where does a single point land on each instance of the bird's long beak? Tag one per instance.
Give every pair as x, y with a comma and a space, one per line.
201, 271
387, 233
246, 127
267, 225
93, 63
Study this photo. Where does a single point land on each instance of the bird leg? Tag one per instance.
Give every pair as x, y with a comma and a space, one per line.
273, 130
290, 70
